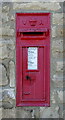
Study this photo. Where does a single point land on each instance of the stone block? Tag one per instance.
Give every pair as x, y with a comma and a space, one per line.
11, 54
37, 6
0, 27
4, 1
61, 95
7, 105
58, 77
60, 66
0, 104
8, 94
24, 1
60, 30
57, 18
5, 17
11, 46
57, 31
0, 94
7, 31
37, 113
64, 114
57, 45
7, 40
57, 54
13, 18
53, 31
16, 113
7, 50
3, 76
12, 73
9, 113
53, 100
5, 8
21, 113
1, 32
0, 8
58, 80
27, 1
3, 51
0, 113
49, 112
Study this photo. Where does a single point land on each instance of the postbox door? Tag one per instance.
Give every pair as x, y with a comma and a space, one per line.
33, 74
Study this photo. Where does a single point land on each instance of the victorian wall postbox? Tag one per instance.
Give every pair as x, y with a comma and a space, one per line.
33, 59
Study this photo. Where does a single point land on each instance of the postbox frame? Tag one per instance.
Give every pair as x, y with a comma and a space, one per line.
19, 101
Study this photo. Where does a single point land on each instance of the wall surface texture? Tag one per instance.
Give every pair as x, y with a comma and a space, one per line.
8, 60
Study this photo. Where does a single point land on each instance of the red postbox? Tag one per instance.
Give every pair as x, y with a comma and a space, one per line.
33, 59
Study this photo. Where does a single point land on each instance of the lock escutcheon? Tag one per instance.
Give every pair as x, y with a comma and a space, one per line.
28, 77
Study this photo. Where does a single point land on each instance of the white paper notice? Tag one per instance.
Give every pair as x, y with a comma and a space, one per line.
32, 58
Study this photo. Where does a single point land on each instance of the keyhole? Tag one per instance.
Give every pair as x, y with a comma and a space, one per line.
27, 77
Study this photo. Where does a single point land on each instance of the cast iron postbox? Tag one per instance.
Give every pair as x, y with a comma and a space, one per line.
32, 59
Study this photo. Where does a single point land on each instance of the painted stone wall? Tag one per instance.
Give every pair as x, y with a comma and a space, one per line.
8, 61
